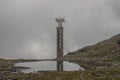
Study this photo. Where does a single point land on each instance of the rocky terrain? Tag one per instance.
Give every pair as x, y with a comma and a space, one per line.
105, 53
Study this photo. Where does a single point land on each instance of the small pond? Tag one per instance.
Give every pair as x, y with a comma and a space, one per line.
48, 66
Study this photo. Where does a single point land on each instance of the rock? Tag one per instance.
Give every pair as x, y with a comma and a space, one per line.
104, 51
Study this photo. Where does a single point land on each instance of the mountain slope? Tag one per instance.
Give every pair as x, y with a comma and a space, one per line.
103, 54
107, 50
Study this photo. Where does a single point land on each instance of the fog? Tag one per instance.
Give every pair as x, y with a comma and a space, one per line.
28, 27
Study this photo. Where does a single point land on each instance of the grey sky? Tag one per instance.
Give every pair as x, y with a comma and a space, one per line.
28, 28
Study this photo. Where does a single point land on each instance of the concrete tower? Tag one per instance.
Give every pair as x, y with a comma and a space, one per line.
59, 43
60, 37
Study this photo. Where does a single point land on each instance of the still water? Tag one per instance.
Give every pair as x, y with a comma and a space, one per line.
48, 65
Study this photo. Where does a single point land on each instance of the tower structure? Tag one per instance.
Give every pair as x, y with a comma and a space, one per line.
59, 43
59, 38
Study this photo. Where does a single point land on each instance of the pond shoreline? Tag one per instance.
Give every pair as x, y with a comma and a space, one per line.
49, 66
108, 73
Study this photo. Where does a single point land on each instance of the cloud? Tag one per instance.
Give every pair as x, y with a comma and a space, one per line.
28, 28
115, 7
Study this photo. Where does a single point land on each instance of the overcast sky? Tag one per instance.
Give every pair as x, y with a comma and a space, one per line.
28, 28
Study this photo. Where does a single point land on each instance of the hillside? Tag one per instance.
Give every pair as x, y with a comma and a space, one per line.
103, 53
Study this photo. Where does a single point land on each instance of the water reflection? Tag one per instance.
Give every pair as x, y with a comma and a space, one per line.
49, 65
59, 65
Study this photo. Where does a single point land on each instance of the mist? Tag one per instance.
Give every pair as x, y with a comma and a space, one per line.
28, 27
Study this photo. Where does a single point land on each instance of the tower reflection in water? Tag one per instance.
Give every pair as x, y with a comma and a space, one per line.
60, 43
59, 65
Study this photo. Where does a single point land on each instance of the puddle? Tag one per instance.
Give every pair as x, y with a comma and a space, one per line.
48, 66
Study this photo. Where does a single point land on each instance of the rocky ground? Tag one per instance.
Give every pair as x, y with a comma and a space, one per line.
9, 72
103, 54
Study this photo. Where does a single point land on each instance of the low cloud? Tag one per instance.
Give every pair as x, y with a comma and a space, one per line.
28, 28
